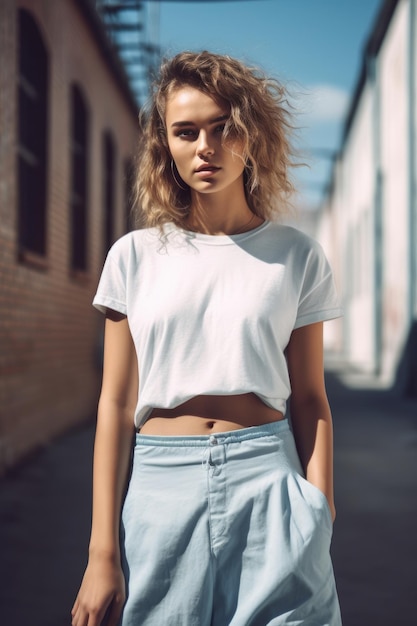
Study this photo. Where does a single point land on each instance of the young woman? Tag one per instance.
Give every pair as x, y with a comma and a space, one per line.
222, 514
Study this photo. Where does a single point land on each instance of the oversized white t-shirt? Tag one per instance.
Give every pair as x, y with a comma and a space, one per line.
213, 314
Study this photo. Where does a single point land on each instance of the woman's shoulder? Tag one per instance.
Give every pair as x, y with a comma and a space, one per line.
134, 241
293, 238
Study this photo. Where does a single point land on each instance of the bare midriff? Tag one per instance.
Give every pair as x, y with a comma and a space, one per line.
203, 415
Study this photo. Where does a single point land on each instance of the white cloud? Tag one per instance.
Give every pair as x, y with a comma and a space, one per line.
325, 103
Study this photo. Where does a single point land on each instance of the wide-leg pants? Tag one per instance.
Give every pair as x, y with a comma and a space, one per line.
224, 530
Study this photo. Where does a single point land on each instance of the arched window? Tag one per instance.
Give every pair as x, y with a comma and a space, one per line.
32, 154
79, 137
129, 172
109, 188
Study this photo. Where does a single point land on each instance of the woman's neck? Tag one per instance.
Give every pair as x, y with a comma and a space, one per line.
226, 215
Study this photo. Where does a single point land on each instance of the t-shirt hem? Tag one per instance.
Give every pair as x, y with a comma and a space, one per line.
319, 316
143, 411
102, 303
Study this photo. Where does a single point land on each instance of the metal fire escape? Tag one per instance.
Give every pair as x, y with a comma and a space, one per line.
133, 28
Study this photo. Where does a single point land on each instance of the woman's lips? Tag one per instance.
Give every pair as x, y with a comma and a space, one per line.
203, 172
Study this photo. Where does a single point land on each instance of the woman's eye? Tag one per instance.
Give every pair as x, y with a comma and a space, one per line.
220, 128
186, 132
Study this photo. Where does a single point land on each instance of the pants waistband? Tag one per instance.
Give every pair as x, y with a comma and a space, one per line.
231, 436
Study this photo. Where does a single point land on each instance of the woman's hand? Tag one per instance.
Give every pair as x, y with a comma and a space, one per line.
102, 593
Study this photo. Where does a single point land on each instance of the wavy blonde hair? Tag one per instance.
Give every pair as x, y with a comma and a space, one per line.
259, 117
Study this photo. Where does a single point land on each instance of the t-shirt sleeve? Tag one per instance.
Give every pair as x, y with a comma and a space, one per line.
318, 300
111, 290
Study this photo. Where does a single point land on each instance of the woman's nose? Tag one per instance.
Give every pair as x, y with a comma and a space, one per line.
204, 147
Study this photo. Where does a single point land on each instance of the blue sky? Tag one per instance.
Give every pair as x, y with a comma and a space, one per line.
315, 46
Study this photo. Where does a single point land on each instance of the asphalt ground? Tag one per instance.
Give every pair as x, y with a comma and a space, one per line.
45, 507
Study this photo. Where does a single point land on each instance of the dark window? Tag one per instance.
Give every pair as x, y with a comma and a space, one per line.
32, 155
129, 171
79, 134
109, 174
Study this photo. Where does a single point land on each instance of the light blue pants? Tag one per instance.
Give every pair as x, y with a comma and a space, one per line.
224, 530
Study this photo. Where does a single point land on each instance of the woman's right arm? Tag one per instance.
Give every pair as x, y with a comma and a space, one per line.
103, 585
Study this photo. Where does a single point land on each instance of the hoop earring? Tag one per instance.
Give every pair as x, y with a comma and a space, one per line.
247, 176
174, 176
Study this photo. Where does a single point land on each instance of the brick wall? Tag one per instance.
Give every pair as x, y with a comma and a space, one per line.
50, 336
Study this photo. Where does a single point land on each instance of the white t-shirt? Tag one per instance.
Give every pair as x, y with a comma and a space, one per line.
212, 315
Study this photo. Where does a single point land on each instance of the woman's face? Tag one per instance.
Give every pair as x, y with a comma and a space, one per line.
195, 124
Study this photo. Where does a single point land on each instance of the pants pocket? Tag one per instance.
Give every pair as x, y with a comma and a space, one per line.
309, 509
317, 500
307, 498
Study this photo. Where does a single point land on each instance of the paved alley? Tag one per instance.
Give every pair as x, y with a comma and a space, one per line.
45, 516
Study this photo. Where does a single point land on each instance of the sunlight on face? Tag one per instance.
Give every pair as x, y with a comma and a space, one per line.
195, 124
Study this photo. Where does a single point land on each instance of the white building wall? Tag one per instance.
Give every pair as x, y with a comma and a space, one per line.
393, 67
333, 329
367, 214
346, 231
358, 241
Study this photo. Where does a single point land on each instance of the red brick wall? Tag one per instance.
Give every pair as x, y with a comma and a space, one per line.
49, 334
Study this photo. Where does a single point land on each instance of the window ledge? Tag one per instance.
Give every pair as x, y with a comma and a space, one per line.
33, 259
80, 276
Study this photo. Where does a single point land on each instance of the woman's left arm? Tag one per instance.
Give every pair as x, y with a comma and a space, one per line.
310, 411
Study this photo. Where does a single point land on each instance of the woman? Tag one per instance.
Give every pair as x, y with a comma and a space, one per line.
218, 312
